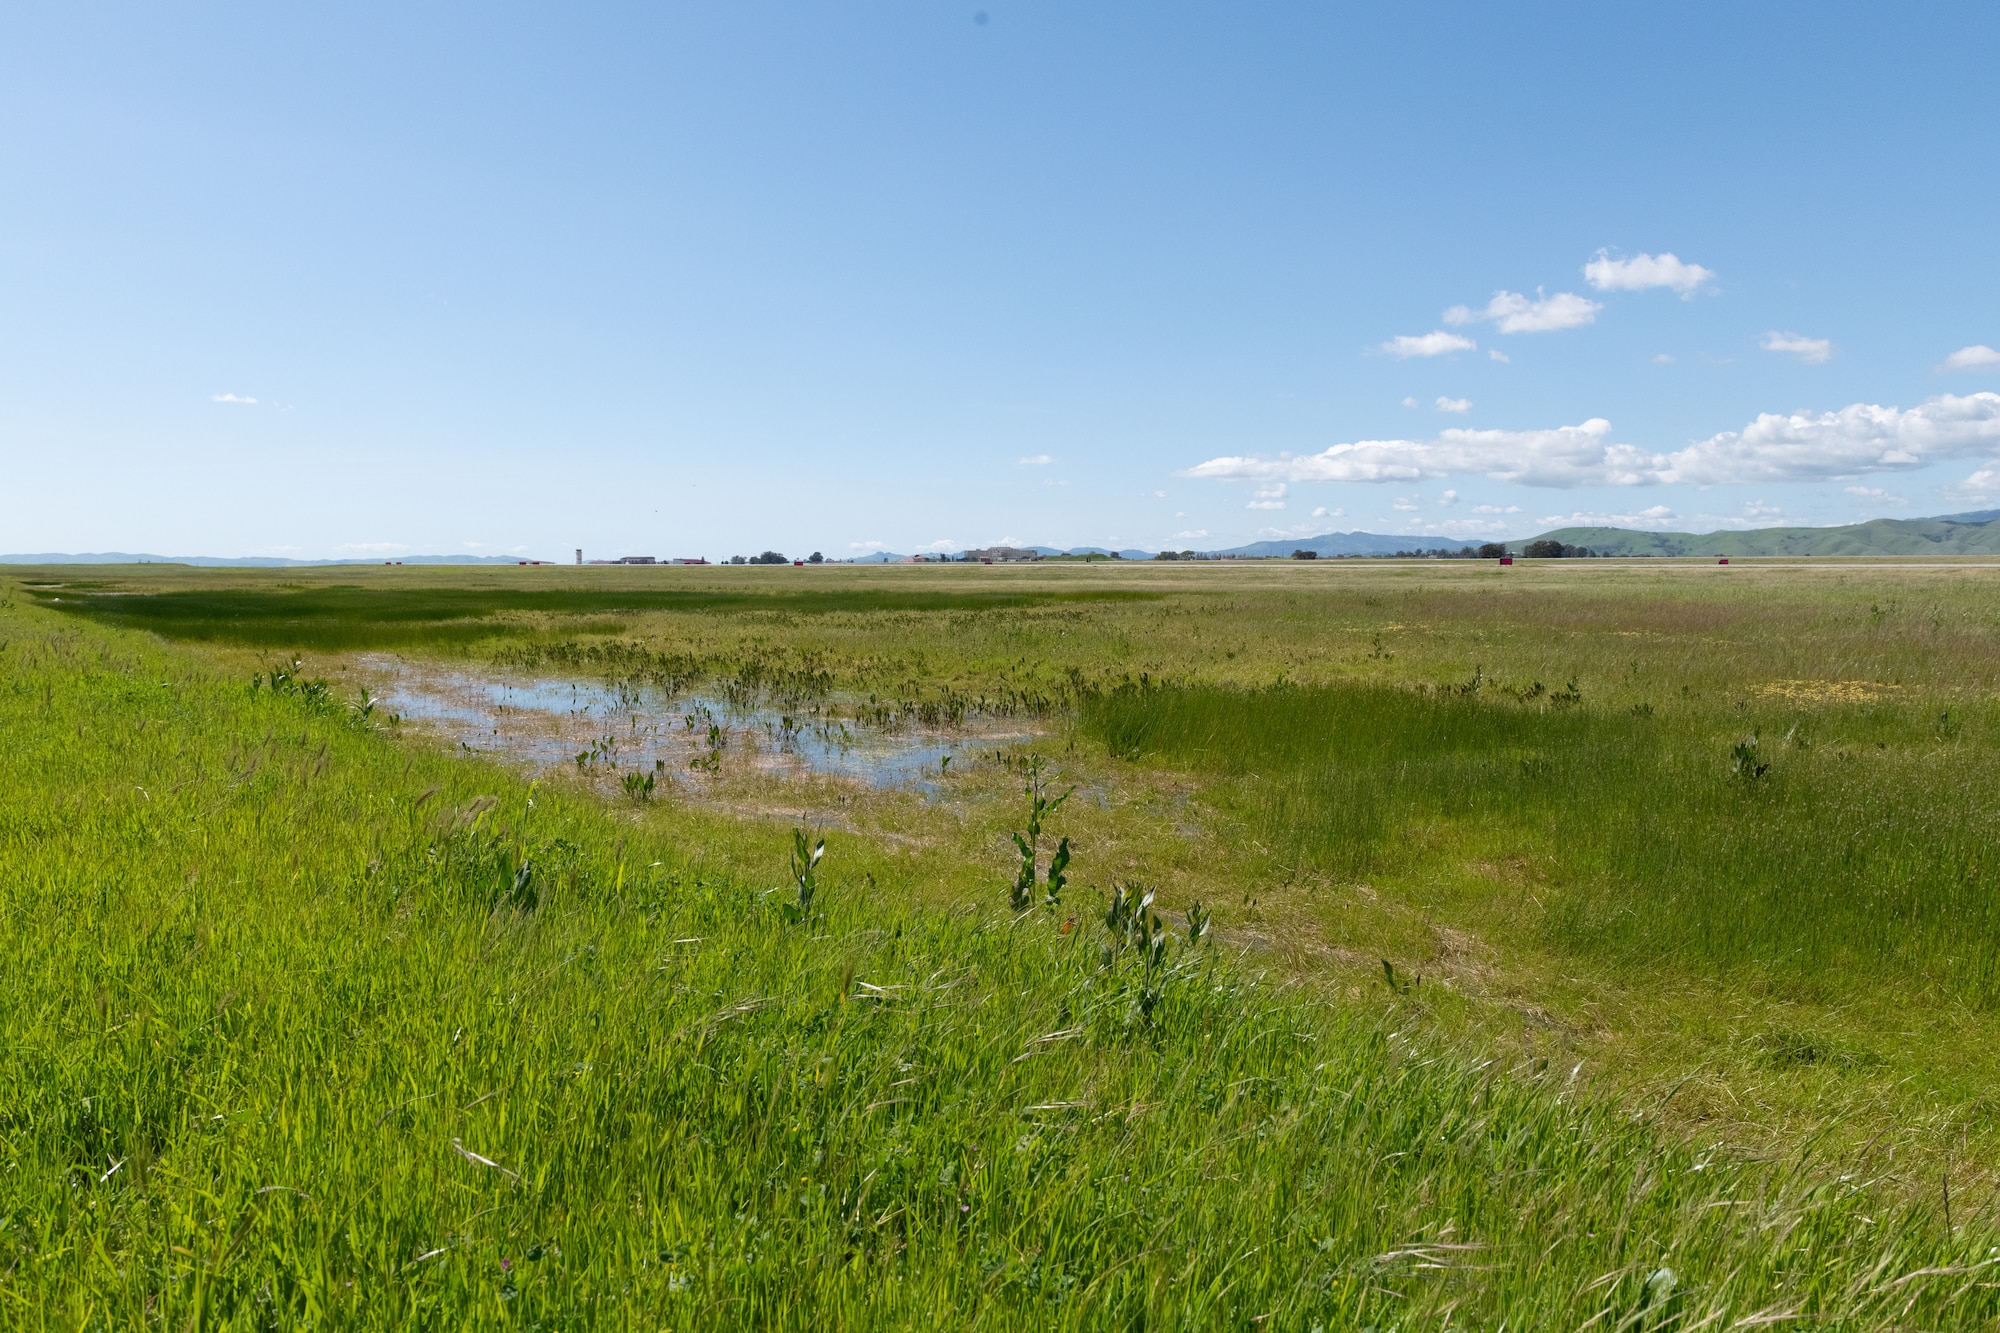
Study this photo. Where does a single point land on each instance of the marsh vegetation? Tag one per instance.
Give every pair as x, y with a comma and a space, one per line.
1338, 947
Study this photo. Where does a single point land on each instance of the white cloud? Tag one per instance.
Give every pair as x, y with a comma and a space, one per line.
1565, 456
1445, 404
1265, 504
1324, 512
1812, 351
1435, 343
1645, 272
1499, 355
1448, 499
868, 546
1514, 313
238, 399
1193, 532
380, 548
1034, 460
1411, 402
1496, 509
1658, 516
1851, 442
1405, 505
1858, 439
943, 544
1662, 359
1976, 357
1979, 485
1874, 493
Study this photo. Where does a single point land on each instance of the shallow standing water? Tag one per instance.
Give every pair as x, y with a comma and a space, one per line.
609, 731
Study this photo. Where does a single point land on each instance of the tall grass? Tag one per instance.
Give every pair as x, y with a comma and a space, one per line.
302, 1027
1861, 852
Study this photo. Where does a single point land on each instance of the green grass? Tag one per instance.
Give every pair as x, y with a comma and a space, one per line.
291, 1040
337, 617
1862, 855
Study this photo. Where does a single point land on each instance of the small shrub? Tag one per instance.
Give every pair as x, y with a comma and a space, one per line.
1040, 807
1743, 762
806, 856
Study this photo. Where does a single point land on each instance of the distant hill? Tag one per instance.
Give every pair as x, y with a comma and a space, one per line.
244, 561
1958, 534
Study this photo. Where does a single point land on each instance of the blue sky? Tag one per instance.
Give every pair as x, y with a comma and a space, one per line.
680, 280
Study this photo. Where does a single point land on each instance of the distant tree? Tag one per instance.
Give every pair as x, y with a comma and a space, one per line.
1303, 554
769, 558
1545, 550
815, 559
1492, 551
737, 560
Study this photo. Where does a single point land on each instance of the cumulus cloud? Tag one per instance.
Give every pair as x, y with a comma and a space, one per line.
1978, 486
1191, 532
1976, 357
1324, 512
1644, 272
1034, 460
1874, 493
941, 545
1411, 402
1512, 312
1496, 509
1565, 456
1435, 343
868, 546
1858, 439
1498, 355
1445, 404
238, 399
1269, 497
1812, 351
1802, 446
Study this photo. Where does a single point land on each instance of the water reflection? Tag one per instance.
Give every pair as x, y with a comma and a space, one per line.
605, 731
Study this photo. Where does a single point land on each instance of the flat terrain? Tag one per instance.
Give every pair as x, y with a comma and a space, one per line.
1587, 940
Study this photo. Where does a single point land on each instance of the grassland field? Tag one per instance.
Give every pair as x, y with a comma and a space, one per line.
1593, 944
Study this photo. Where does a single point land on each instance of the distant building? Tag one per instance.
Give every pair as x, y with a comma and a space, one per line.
1002, 555
697, 560
635, 560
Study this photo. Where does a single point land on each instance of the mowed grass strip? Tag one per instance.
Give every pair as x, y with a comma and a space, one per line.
306, 1027
1841, 845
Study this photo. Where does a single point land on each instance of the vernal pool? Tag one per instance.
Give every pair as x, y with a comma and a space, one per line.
610, 730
